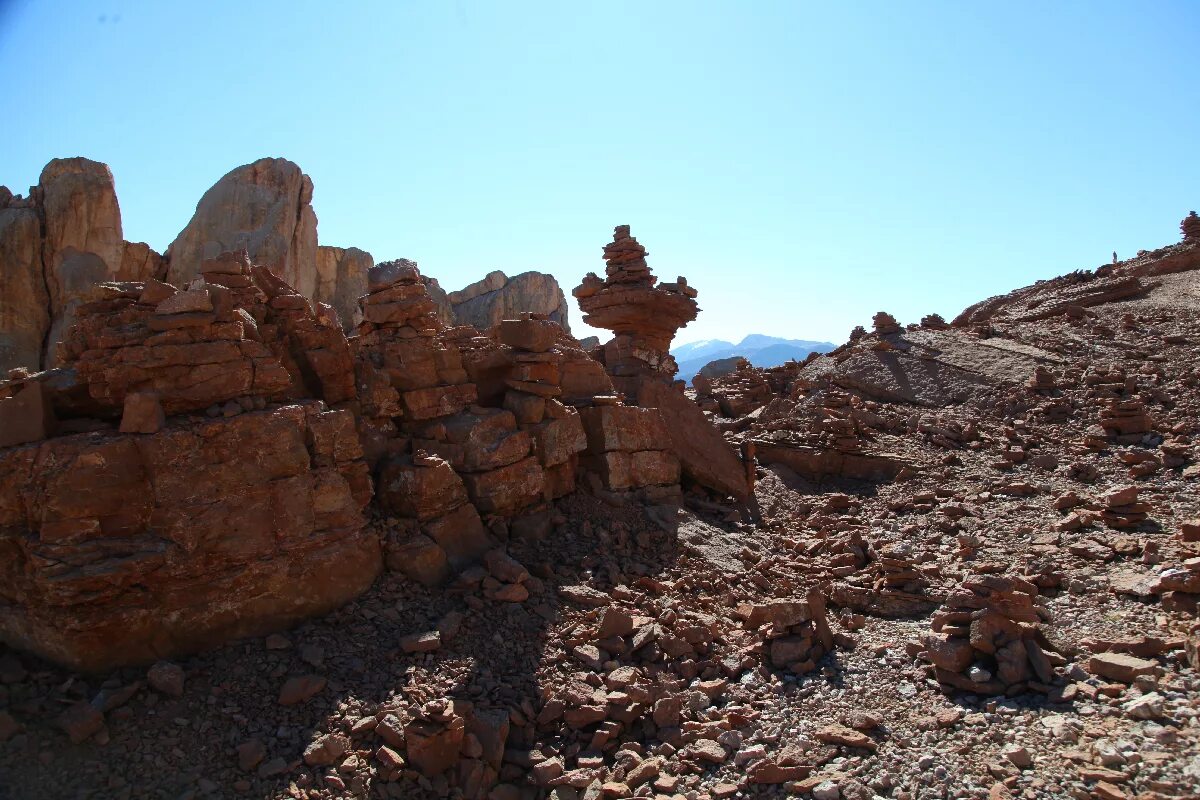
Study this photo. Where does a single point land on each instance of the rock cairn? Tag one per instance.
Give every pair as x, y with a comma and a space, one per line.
1126, 421
1190, 227
885, 324
987, 640
1122, 509
643, 316
891, 585
796, 633
1043, 380
735, 394
1180, 586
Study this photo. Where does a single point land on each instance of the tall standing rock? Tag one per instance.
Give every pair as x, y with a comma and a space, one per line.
264, 208
55, 247
24, 301
83, 243
341, 280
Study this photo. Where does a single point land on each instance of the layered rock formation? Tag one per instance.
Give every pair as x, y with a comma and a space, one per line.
497, 297
229, 501
55, 246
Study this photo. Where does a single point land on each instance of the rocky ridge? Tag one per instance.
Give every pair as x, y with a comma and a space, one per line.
966, 568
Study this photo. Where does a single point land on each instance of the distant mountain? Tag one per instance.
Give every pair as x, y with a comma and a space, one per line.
759, 349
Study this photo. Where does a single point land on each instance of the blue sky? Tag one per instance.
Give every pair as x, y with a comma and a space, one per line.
803, 164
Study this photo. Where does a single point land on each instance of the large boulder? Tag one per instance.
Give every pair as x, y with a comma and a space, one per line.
128, 548
703, 452
264, 208
497, 297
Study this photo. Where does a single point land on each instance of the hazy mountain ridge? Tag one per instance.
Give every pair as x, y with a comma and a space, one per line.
759, 349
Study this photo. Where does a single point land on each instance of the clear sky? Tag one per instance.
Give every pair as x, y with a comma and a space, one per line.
803, 164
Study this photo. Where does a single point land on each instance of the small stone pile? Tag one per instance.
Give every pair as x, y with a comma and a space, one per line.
735, 394
1190, 227
885, 324
1043, 380
1180, 586
836, 424
934, 322
987, 639
796, 632
892, 585
1122, 509
1126, 421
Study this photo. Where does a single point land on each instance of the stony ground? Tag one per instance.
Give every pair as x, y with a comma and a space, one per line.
631, 668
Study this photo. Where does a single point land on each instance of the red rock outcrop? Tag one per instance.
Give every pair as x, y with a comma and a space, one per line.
177, 532
55, 246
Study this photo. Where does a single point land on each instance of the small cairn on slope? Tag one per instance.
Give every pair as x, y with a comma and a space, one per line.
891, 585
1180, 587
1122, 510
796, 632
885, 324
735, 394
987, 641
1190, 226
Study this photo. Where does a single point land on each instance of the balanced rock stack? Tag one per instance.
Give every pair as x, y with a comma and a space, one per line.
1043, 380
643, 316
1190, 227
935, 322
796, 632
988, 642
735, 394
885, 324
836, 425
1126, 421
1122, 510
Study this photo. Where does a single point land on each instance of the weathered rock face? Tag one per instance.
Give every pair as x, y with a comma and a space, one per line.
464, 426
497, 297
263, 208
122, 548
173, 533
24, 299
341, 280
55, 247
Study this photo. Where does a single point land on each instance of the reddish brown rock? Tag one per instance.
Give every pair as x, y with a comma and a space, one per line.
236, 526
